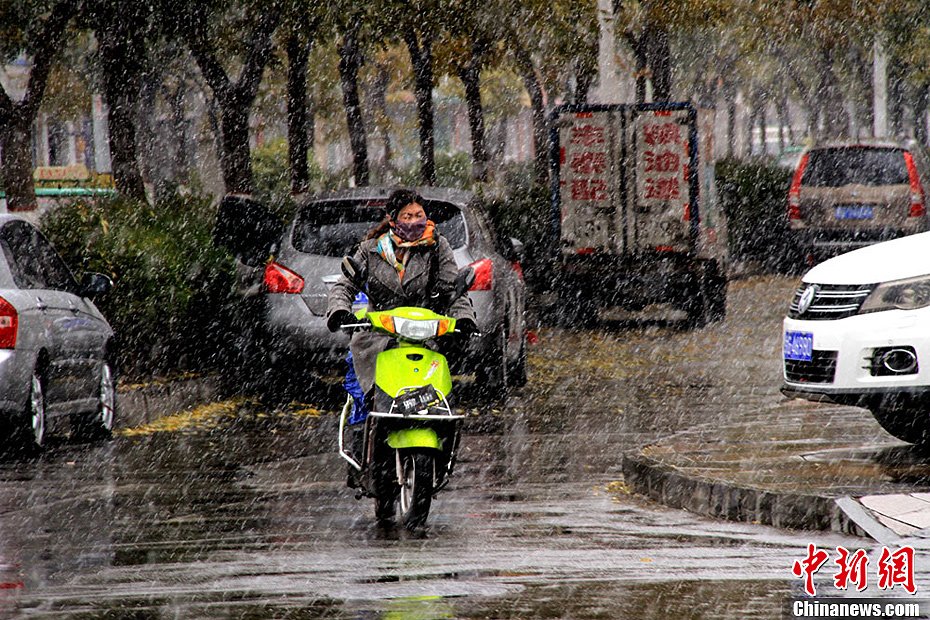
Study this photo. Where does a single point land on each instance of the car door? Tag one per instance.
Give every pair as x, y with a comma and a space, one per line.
73, 336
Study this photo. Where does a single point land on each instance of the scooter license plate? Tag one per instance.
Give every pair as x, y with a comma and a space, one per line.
416, 400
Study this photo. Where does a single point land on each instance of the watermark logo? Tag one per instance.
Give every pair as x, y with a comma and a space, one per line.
894, 568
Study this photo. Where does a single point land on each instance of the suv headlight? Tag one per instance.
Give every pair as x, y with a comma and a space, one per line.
908, 294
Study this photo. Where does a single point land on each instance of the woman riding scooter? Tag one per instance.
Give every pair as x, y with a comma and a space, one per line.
408, 263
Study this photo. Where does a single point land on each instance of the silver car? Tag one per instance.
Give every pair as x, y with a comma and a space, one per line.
55, 346
330, 226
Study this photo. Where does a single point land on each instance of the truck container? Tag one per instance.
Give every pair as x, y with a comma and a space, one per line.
634, 211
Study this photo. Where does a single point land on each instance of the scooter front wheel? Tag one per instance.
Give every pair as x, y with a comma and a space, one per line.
415, 473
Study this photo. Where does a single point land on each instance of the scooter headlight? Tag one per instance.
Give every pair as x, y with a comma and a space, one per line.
415, 329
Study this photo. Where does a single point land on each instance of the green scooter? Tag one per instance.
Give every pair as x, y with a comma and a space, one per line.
411, 435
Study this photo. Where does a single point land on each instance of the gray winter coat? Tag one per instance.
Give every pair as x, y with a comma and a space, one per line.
386, 291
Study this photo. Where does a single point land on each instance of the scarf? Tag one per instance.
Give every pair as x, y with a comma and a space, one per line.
388, 241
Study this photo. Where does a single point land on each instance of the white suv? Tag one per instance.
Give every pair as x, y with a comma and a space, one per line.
858, 333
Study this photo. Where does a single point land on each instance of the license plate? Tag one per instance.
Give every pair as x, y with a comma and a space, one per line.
799, 346
416, 400
854, 212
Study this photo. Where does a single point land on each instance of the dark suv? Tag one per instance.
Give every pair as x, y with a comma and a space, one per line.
847, 195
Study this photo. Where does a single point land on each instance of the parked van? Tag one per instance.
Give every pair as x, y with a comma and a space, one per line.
852, 194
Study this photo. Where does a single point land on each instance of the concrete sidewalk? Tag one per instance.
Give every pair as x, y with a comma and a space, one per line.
796, 465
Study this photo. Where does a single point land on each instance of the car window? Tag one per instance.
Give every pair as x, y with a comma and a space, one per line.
836, 167
335, 228
33, 261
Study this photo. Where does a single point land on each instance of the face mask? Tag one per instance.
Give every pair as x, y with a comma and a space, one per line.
410, 231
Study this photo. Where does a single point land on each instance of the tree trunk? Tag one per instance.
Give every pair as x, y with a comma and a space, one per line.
639, 55
382, 119
122, 53
179, 125
298, 56
235, 98
832, 106
540, 125
349, 62
16, 118
584, 78
235, 158
16, 146
921, 101
421, 56
471, 79
730, 99
659, 58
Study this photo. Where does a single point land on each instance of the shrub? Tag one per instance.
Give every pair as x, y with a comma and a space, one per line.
172, 289
522, 209
753, 195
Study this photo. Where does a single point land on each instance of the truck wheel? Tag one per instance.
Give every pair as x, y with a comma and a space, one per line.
576, 310
715, 293
695, 305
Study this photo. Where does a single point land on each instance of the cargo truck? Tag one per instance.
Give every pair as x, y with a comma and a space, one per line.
634, 211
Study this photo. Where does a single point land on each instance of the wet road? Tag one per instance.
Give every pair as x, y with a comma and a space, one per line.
241, 512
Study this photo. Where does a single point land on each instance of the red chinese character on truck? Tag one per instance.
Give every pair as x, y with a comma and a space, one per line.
588, 162
662, 189
664, 133
662, 162
589, 189
587, 135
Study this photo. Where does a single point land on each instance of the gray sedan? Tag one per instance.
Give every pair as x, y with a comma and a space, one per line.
330, 226
55, 346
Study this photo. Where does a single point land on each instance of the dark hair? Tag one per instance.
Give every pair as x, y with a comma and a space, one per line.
399, 199
380, 228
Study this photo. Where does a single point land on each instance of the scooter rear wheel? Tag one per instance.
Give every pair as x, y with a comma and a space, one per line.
416, 488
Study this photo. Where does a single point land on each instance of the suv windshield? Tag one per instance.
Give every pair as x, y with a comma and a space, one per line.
335, 228
855, 166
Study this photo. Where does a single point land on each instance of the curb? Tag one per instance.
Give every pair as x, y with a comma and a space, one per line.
145, 404
722, 500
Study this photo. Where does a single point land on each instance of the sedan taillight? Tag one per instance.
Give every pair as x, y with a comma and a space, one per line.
9, 324
484, 275
280, 279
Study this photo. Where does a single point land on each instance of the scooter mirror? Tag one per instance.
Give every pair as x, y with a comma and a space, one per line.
354, 271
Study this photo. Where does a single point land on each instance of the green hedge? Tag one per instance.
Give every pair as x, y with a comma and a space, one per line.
754, 194
173, 290
522, 209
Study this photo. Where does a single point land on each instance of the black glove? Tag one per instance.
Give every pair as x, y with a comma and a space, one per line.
339, 318
466, 327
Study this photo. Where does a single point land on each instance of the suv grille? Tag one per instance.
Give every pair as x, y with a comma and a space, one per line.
832, 301
820, 369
